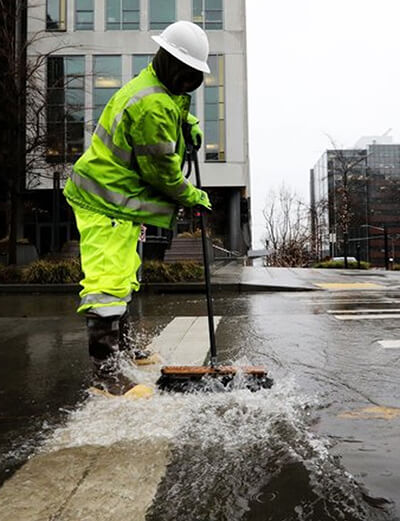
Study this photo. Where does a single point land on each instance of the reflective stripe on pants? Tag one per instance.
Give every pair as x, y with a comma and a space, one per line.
109, 262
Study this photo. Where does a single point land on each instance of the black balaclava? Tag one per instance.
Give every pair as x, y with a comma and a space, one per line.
176, 75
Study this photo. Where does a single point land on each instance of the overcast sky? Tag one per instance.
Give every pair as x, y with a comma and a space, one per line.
317, 68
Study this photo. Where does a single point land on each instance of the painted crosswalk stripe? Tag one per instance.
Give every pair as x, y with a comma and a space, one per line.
389, 344
379, 316
185, 340
361, 311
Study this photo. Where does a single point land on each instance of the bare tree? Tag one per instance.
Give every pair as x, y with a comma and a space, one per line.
319, 228
287, 228
23, 114
13, 36
347, 179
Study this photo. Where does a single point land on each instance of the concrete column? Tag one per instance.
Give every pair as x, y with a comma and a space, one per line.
36, 17
100, 16
70, 18
126, 66
88, 99
183, 10
235, 234
144, 15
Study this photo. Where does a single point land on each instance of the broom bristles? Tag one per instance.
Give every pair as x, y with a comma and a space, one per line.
203, 370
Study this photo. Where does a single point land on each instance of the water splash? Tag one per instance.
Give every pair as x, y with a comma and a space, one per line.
102, 421
234, 455
239, 449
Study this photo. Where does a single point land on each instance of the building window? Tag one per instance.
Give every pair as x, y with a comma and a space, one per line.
56, 15
123, 14
214, 110
161, 13
84, 15
139, 62
208, 13
107, 80
65, 108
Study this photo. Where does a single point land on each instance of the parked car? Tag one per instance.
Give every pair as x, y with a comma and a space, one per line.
341, 259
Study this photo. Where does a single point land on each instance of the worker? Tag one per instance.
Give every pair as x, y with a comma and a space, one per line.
131, 175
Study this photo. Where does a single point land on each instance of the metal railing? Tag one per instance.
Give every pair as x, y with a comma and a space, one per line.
229, 253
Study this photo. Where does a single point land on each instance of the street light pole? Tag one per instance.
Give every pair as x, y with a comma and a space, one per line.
345, 247
358, 248
346, 229
386, 246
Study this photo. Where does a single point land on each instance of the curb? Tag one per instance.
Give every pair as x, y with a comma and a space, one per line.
162, 287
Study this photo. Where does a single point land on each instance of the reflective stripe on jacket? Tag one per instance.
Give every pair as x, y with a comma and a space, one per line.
132, 169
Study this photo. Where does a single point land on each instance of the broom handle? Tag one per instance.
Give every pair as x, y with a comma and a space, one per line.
210, 309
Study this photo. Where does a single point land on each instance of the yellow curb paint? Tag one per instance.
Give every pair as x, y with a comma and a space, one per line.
372, 413
138, 392
348, 285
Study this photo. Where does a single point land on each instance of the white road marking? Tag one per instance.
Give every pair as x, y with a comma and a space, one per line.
360, 311
389, 344
184, 341
340, 300
381, 316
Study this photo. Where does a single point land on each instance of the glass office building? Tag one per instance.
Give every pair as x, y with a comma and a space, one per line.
94, 47
357, 191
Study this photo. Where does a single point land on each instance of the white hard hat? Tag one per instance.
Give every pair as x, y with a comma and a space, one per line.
187, 42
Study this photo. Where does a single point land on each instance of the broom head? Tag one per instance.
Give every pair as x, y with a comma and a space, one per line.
186, 378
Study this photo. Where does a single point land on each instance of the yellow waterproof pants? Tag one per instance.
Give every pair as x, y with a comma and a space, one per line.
109, 262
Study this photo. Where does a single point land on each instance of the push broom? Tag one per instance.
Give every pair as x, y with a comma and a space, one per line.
194, 378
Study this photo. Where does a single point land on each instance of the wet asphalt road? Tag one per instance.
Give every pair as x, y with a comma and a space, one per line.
343, 384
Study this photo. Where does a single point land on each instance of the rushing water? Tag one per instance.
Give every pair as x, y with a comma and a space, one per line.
237, 455
233, 456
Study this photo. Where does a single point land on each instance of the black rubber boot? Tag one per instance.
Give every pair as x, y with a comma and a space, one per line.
104, 334
124, 340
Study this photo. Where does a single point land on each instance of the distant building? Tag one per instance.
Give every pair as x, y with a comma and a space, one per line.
365, 141
357, 190
92, 49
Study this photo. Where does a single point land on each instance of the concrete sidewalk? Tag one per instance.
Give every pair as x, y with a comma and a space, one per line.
260, 278
337, 279
235, 277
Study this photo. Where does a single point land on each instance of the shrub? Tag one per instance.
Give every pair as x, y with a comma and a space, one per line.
330, 264
68, 271
10, 275
185, 271
190, 235
53, 272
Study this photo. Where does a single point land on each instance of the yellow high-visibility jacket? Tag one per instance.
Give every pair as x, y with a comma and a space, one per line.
133, 167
